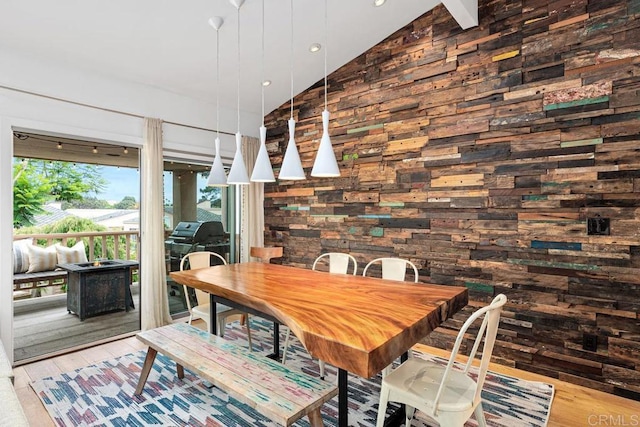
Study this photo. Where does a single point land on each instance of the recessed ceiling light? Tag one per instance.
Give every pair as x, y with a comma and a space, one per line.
266, 83
378, 3
315, 47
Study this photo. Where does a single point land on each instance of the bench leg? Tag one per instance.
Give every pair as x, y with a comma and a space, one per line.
315, 418
146, 368
180, 371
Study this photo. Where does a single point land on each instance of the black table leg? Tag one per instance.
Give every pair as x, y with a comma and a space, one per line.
213, 318
343, 399
276, 342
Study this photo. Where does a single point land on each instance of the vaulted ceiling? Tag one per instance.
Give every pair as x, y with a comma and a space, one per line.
169, 45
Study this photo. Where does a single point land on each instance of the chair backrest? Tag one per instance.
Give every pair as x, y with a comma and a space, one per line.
394, 268
338, 262
265, 254
487, 333
198, 260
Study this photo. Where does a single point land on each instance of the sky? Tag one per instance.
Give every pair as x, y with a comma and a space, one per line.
122, 182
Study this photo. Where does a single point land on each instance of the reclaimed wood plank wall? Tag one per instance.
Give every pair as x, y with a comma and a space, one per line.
480, 155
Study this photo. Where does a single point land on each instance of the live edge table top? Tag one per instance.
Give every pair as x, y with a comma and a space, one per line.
359, 324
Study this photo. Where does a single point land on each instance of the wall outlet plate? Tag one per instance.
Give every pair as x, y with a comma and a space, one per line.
598, 226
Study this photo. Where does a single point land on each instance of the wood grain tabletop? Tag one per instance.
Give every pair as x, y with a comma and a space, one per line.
356, 323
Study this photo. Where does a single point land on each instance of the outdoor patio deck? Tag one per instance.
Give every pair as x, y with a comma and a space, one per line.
42, 326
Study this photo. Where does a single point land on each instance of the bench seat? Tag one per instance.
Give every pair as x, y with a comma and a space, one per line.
278, 392
20, 279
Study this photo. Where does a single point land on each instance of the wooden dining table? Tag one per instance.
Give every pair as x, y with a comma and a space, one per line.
357, 324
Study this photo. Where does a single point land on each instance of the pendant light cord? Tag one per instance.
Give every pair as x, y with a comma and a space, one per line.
238, 69
326, 36
217, 84
291, 62
262, 70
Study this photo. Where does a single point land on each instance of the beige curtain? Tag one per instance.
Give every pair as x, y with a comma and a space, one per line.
252, 209
154, 303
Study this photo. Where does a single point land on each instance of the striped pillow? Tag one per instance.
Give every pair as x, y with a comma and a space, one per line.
41, 259
71, 255
21, 255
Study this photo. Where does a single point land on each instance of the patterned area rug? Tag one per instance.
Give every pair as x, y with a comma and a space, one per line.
102, 394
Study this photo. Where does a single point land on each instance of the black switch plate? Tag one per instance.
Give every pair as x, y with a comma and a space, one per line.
598, 226
590, 342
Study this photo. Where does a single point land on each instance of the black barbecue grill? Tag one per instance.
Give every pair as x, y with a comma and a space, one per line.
195, 236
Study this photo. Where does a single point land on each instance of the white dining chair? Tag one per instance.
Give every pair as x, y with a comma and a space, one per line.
447, 394
338, 264
204, 259
394, 268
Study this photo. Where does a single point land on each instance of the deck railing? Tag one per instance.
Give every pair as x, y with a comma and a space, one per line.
98, 244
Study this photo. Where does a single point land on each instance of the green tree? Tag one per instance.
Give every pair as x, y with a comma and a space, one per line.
87, 203
212, 194
127, 202
35, 182
71, 181
30, 192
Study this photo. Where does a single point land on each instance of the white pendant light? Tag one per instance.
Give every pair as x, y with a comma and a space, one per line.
262, 171
238, 173
291, 168
325, 164
217, 176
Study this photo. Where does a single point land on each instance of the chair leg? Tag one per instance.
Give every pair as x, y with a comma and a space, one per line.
382, 406
409, 411
248, 332
321, 365
479, 413
286, 346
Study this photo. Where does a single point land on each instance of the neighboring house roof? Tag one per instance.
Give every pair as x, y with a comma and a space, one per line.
109, 216
51, 215
202, 215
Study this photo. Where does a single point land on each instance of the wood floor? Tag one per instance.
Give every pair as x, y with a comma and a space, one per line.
572, 405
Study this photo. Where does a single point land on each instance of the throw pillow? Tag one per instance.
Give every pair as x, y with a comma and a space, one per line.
71, 255
42, 259
21, 255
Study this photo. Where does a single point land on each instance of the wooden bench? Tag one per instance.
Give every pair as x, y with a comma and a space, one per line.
34, 281
278, 392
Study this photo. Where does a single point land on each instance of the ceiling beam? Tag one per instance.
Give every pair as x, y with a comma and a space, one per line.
465, 12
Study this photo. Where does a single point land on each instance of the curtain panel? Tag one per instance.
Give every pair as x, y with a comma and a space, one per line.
252, 201
154, 302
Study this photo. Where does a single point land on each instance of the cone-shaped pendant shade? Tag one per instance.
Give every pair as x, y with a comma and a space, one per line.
325, 164
262, 171
238, 173
217, 176
291, 166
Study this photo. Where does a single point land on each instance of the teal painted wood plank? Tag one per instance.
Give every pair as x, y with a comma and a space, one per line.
581, 142
295, 208
535, 197
365, 128
567, 246
633, 7
479, 287
391, 204
576, 103
567, 265
373, 216
376, 232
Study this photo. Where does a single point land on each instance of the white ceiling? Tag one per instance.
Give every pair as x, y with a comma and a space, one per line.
168, 44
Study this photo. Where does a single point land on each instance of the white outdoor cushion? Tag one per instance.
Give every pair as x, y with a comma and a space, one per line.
70, 255
42, 259
21, 255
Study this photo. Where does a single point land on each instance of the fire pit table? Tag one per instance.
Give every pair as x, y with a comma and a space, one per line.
99, 287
